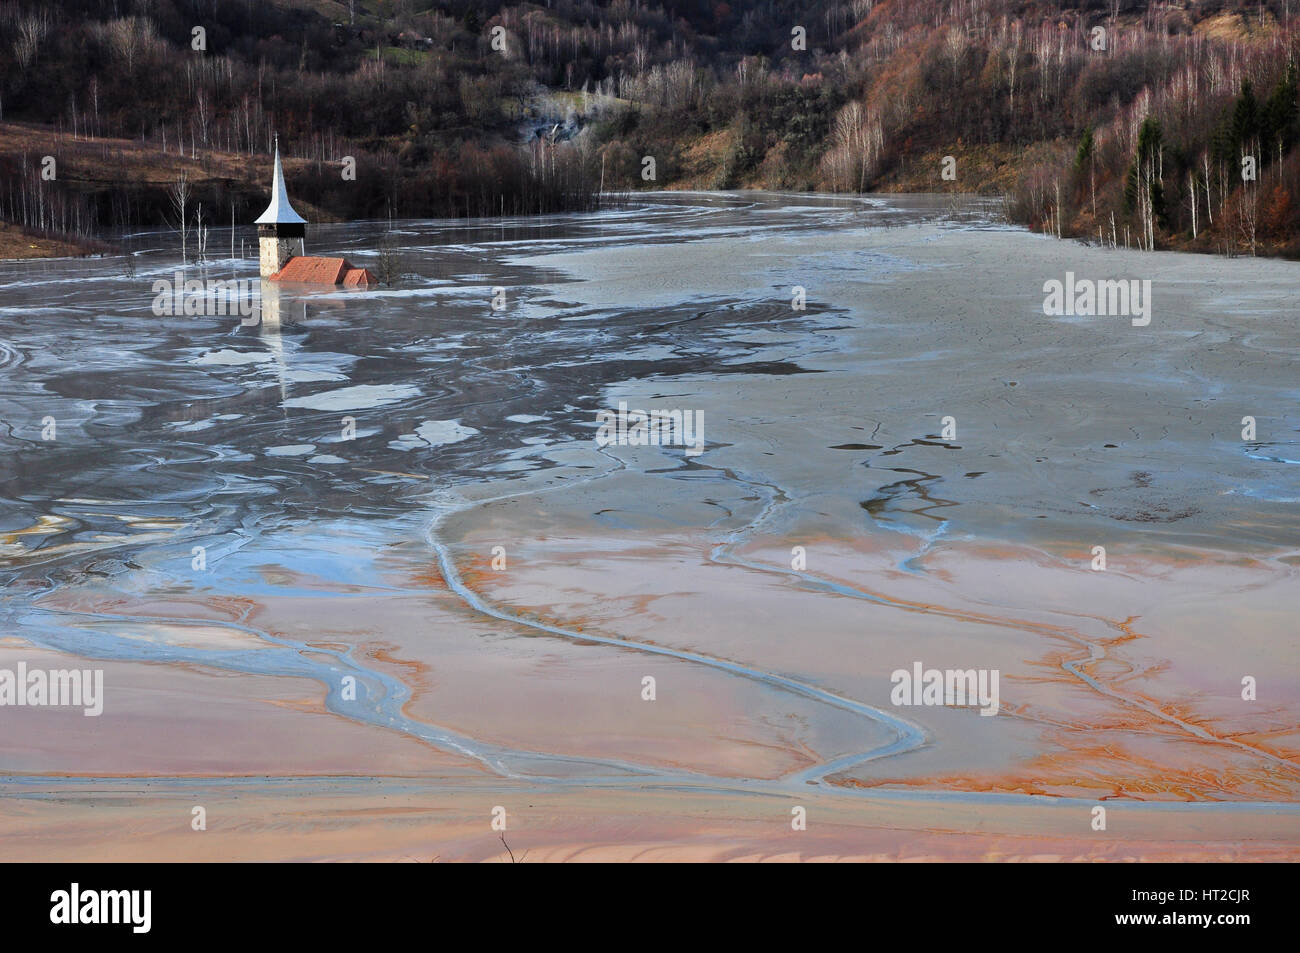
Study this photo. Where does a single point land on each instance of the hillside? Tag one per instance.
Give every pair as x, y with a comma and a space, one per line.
1165, 125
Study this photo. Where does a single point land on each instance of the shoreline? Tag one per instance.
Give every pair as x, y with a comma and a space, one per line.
865, 198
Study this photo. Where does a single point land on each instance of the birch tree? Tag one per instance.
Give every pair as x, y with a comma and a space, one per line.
179, 195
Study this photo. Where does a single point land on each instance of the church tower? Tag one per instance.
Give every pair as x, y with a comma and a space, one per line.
280, 229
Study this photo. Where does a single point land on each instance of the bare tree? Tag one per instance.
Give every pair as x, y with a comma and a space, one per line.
1248, 213
861, 8
202, 112
200, 234
32, 31
179, 194
1209, 201
1013, 64
1058, 208
389, 263
954, 46
857, 140
128, 36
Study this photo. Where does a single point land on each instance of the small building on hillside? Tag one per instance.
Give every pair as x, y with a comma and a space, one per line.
281, 255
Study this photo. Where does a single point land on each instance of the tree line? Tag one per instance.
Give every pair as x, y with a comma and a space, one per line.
1151, 124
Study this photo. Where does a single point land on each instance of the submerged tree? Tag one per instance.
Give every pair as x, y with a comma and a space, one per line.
179, 194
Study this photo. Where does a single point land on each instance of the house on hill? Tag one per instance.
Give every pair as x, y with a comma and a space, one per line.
281, 255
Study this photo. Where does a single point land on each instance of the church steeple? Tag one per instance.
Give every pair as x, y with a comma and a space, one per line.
280, 229
279, 212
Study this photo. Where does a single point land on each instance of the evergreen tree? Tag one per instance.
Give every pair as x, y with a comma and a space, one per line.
1281, 116
1086, 146
1145, 172
1245, 117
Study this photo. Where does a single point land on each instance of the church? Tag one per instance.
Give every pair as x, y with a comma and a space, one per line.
280, 234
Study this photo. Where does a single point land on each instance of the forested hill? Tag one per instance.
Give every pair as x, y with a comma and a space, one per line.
1172, 125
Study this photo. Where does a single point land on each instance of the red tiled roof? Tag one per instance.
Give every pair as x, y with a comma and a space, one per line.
309, 269
359, 278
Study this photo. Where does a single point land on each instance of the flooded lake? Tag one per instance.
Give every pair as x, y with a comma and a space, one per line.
361, 567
